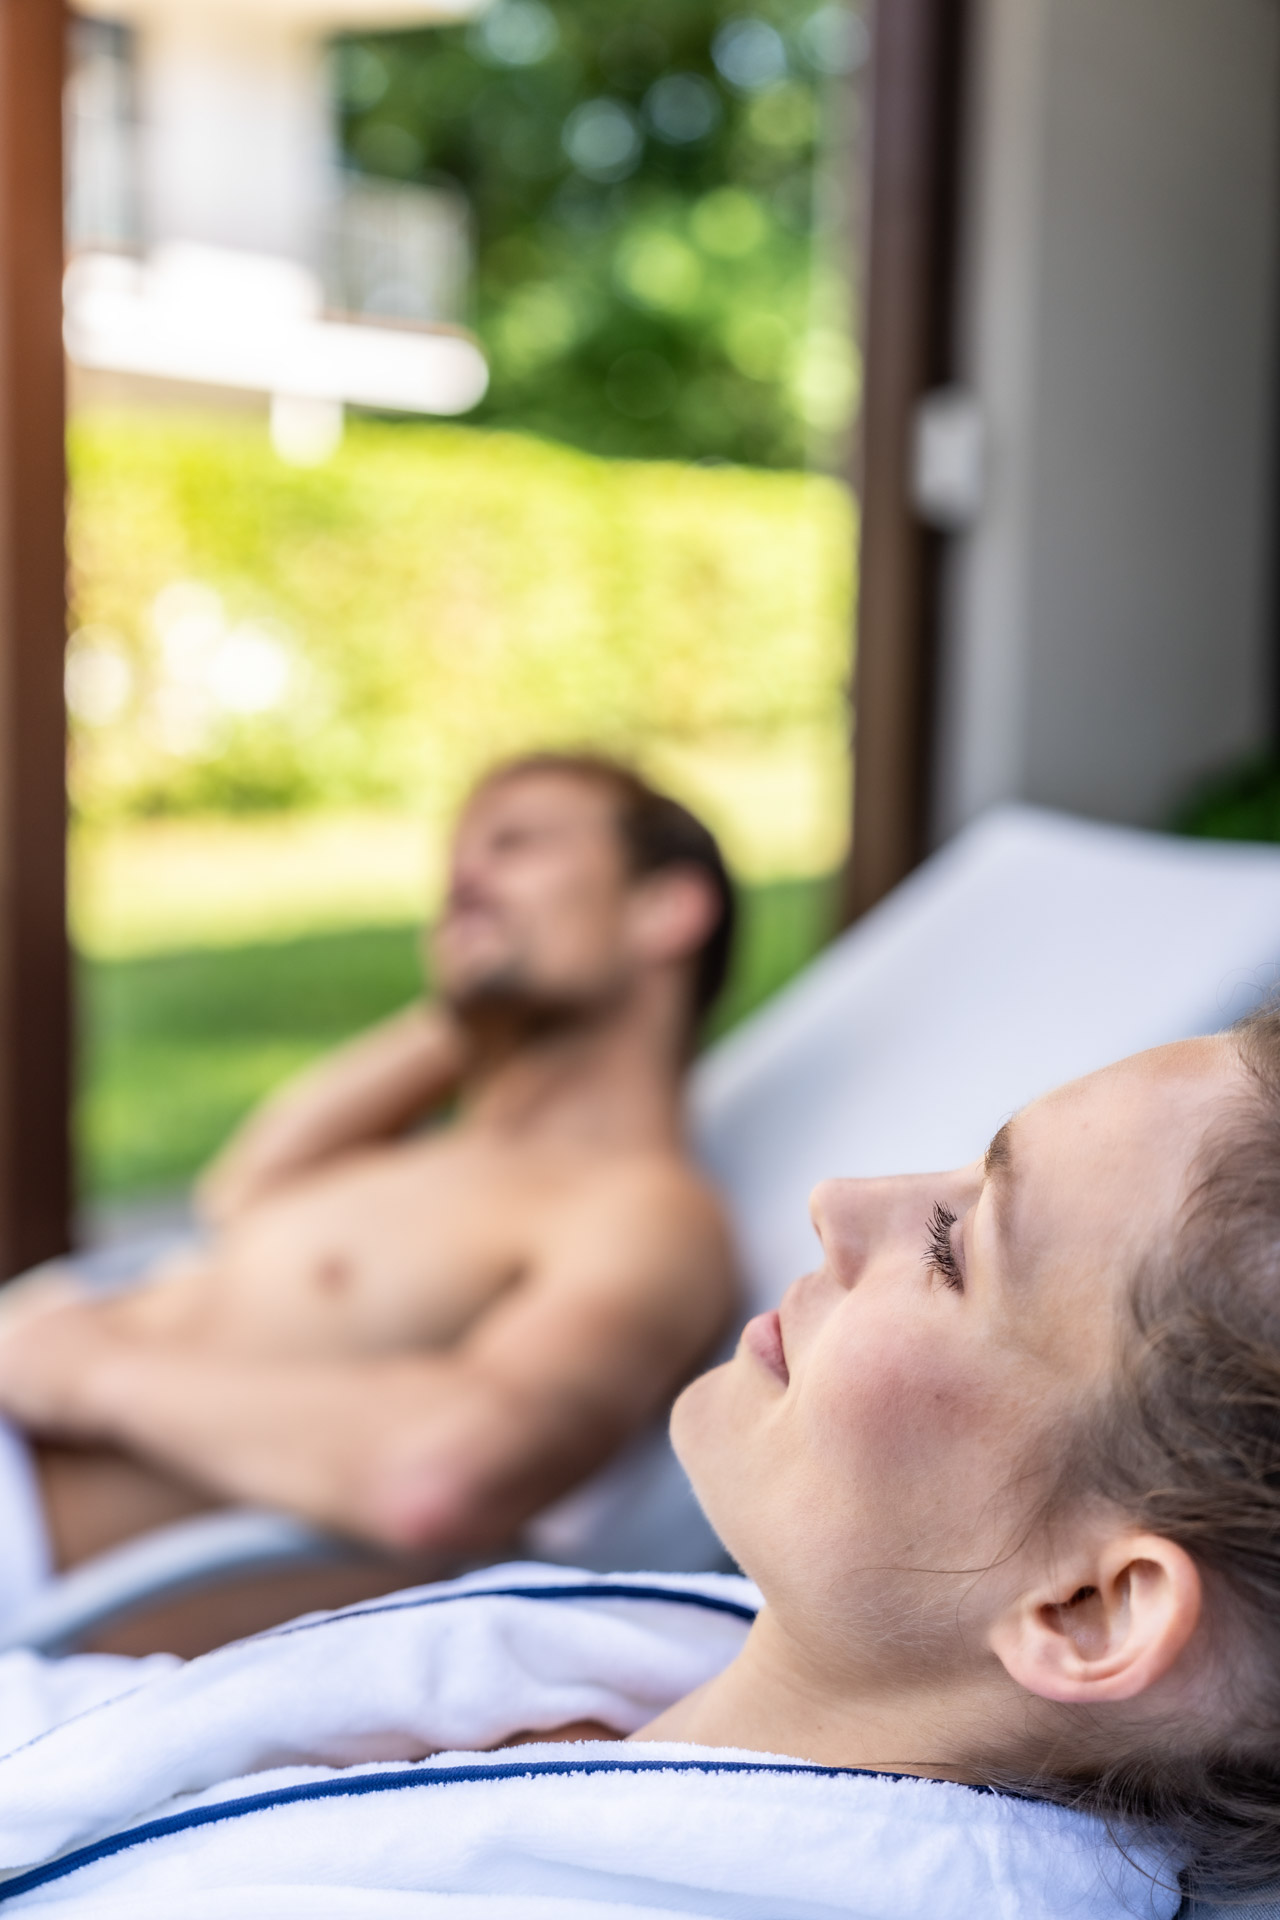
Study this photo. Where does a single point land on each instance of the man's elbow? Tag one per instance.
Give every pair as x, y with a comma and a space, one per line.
466, 1480
415, 1506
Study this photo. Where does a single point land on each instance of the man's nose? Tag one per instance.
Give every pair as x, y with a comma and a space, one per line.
466, 884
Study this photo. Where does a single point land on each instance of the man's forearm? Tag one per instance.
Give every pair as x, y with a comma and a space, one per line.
369, 1090
415, 1453
320, 1440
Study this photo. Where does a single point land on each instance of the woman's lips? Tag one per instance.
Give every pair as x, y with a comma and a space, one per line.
762, 1337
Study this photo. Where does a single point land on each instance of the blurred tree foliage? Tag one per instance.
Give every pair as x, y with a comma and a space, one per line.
656, 208
253, 636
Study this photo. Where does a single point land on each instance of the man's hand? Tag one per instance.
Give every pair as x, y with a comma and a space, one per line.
55, 1285
49, 1350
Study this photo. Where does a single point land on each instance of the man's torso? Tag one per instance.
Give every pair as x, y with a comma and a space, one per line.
396, 1247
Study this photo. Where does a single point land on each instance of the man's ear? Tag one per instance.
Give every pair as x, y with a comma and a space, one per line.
1113, 1626
674, 911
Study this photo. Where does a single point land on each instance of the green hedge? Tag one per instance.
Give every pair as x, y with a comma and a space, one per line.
373, 631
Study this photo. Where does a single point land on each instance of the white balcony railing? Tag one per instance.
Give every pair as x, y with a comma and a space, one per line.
396, 251
388, 250
101, 150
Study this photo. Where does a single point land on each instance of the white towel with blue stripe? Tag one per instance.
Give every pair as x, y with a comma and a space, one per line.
340, 1766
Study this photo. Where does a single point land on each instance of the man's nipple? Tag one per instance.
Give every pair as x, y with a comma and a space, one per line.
333, 1275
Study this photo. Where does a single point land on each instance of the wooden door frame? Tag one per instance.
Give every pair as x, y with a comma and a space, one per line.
913, 165
35, 990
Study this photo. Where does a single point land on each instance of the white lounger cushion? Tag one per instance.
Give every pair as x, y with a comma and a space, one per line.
1032, 949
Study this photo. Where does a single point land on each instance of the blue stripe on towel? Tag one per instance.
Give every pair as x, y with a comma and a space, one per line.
349, 1786
709, 1602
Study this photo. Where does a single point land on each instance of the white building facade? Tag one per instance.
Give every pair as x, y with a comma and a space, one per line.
215, 239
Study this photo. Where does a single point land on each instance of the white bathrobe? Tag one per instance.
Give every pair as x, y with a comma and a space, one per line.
284, 1775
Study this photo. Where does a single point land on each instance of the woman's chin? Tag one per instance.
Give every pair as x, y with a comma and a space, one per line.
706, 1439
699, 1420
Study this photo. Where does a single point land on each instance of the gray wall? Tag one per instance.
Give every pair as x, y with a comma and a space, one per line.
1107, 631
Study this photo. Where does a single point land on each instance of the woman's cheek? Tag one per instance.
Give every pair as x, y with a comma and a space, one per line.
892, 1407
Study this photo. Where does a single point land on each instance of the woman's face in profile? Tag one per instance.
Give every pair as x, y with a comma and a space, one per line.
872, 1452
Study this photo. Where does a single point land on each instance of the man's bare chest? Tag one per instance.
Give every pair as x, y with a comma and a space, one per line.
400, 1247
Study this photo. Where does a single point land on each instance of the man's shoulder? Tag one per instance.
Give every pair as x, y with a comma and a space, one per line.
647, 1228
648, 1178
658, 1213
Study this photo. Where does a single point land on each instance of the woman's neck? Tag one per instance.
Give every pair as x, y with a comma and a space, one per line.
772, 1699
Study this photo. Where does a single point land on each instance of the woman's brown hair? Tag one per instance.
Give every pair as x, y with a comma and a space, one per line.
1189, 1446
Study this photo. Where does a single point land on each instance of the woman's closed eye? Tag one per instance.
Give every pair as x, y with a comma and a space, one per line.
939, 1254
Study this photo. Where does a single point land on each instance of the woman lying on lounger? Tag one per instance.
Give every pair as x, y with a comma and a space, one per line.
1006, 1470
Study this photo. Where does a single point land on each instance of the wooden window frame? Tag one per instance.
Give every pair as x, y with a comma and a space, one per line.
916, 86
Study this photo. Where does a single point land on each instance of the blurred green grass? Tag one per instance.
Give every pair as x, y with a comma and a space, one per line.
178, 1046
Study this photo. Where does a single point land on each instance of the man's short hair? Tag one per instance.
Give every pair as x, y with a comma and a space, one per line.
656, 833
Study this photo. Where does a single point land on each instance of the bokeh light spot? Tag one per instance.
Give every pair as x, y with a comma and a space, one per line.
602, 139
682, 108
750, 54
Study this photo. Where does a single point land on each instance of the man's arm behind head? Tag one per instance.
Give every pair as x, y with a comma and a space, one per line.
370, 1089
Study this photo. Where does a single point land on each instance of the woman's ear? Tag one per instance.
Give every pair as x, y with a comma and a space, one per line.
1110, 1629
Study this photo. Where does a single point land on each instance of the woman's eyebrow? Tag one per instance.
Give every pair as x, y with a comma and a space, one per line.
998, 1165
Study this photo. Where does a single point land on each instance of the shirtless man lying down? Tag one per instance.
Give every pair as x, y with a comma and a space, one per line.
420, 1338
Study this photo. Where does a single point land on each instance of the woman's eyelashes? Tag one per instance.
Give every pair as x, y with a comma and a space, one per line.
939, 1254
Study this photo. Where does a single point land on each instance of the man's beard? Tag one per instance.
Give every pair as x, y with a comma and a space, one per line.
505, 1005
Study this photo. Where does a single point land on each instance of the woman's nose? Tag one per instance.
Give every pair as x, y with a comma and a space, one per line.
841, 1219
821, 1201
855, 1218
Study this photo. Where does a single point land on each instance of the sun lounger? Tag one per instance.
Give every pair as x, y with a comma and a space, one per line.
1033, 948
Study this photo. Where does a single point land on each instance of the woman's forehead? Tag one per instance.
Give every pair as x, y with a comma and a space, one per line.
1179, 1079
1120, 1144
